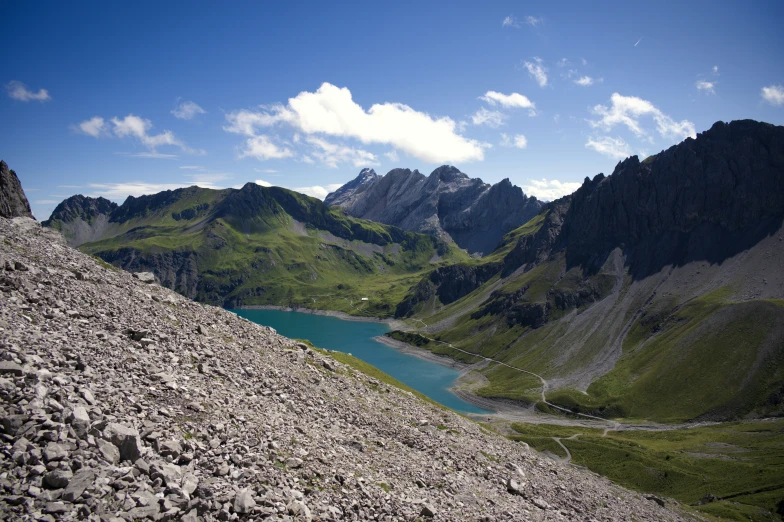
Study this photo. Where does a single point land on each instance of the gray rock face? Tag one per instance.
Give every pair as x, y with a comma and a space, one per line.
352, 188
13, 202
447, 204
126, 439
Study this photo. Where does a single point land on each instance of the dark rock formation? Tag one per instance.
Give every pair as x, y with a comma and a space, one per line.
80, 207
447, 204
13, 202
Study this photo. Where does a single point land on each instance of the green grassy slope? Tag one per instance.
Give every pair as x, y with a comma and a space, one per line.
273, 246
740, 463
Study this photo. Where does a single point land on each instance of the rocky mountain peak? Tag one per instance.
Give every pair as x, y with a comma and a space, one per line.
366, 176
13, 202
80, 207
448, 174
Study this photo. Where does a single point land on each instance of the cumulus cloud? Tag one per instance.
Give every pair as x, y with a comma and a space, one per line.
510, 21
120, 191
262, 147
706, 87
138, 128
490, 118
549, 189
509, 101
19, 91
773, 94
537, 71
187, 110
615, 148
627, 110
518, 141
331, 154
94, 127
332, 111
263, 183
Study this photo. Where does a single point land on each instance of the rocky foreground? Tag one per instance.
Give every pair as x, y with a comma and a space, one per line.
121, 400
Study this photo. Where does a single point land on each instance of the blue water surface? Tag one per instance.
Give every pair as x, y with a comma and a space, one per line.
356, 338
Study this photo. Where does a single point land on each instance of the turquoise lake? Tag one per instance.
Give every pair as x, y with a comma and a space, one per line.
356, 338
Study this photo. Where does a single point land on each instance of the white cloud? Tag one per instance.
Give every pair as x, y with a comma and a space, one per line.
518, 140
549, 189
715, 69
46, 201
19, 91
136, 127
586, 81
510, 21
509, 101
702, 85
537, 71
154, 155
187, 110
308, 160
392, 156
638, 42
490, 118
191, 167
332, 111
94, 127
331, 154
533, 21
627, 110
615, 148
261, 147
266, 171
563, 62
315, 191
773, 94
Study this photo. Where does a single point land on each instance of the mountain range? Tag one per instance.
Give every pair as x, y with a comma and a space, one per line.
654, 292
447, 204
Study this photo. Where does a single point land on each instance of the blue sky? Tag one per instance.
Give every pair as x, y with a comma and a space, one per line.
114, 99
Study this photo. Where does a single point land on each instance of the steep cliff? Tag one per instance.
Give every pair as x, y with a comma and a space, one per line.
13, 202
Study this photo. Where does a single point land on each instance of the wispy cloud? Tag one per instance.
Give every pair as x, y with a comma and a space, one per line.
715, 69
773, 94
615, 148
263, 148
587, 81
533, 21
638, 42
392, 156
518, 141
137, 128
331, 111
266, 171
191, 167
488, 118
627, 110
537, 71
705, 86
510, 21
187, 110
549, 189
19, 91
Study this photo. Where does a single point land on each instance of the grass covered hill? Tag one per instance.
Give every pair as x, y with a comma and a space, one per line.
256, 245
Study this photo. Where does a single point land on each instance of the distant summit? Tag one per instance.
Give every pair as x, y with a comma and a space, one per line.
447, 204
340, 196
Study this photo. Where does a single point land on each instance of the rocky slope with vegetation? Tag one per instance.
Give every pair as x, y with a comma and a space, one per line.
122, 400
656, 292
447, 204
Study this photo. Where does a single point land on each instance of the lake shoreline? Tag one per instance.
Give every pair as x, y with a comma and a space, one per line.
393, 324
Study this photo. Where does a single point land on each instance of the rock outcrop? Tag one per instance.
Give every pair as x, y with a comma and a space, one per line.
447, 204
82, 219
122, 400
13, 202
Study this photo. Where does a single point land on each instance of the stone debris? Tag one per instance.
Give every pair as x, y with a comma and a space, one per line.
123, 401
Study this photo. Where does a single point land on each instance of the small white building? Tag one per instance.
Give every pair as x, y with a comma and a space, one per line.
364, 298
